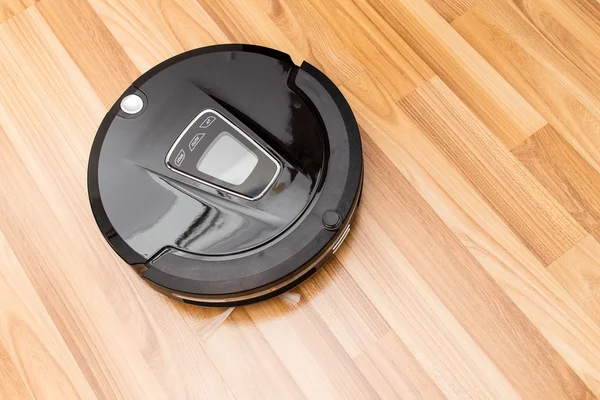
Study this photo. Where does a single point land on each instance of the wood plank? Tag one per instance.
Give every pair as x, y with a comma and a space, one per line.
445, 266
110, 366
395, 372
570, 179
251, 22
29, 340
12, 386
333, 296
589, 7
533, 214
313, 35
578, 270
512, 20
301, 338
151, 31
10, 8
571, 27
535, 82
376, 45
452, 9
448, 354
243, 356
36, 55
477, 84
144, 364
504, 256
91, 45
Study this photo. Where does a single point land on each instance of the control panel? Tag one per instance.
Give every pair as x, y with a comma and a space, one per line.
214, 151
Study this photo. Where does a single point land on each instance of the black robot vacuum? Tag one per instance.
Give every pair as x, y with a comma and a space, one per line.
227, 175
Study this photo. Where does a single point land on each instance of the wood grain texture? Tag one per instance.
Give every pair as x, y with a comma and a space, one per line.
573, 27
90, 44
578, 270
377, 46
12, 386
547, 94
426, 326
462, 69
35, 358
310, 33
512, 21
570, 179
504, 256
443, 271
451, 9
10, 8
243, 355
388, 364
151, 31
493, 170
62, 181
471, 270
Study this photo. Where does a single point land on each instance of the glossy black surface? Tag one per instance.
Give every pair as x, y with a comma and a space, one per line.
203, 241
151, 207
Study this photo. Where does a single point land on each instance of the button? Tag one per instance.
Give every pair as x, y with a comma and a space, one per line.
332, 220
179, 158
195, 140
206, 123
132, 104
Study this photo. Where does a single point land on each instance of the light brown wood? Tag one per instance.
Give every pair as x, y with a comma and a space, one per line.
463, 69
9, 8
571, 180
578, 270
377, 45
539, 86
394, 372
572, 26
442, 264
480, 230
451, 9
500, 179
471, 271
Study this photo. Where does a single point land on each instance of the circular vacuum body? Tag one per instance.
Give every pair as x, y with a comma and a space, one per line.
227, 174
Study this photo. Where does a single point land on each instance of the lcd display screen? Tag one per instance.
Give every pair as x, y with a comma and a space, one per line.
227, 159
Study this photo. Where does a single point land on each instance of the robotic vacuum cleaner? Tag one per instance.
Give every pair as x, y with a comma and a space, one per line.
226, 175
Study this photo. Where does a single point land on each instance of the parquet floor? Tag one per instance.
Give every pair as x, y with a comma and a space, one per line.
471, 272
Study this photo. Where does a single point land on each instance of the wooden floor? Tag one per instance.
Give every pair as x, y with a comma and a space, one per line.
473, 268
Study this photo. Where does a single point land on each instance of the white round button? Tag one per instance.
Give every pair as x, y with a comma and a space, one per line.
132, 104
